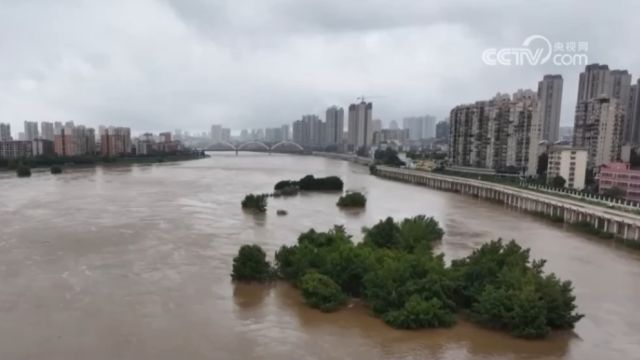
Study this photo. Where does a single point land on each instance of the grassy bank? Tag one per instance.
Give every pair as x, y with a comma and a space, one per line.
40, 162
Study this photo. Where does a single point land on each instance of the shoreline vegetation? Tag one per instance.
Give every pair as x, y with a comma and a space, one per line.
94, 160
396, 274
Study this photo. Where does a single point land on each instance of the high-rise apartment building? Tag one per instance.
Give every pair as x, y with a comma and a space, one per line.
420, 127
31, 130
442, 130
415, 125
5, 132
71, 140
334, 125
633, 116
550, 102
393, 125
360, 126
599, 127
226, 135
273, 135
46, 130
597, 81
594, 81
429, 130
286, 133
498, 134
115, 141
216, 133
18, 149
309, 131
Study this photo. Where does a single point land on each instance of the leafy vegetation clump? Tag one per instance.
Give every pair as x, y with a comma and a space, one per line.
504, 289
257, 202
311, 183
396, 274
56, 170
251, 265
352, 200
320, 292
23, 171
388, 157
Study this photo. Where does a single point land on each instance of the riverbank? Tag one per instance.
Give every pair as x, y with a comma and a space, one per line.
606, 223
86, 161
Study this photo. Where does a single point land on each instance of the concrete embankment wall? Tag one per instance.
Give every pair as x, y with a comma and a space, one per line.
593, 219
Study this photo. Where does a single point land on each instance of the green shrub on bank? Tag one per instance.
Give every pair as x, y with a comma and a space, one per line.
56, 170
353, 200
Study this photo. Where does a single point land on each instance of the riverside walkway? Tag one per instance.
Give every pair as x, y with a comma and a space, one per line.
620, 224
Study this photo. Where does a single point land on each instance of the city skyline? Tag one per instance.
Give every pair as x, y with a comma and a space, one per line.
254, 68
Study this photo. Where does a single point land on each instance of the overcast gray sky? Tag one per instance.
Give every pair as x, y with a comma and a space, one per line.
166, 64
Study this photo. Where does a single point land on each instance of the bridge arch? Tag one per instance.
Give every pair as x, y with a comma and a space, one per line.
287, 142
225, 143
254, 143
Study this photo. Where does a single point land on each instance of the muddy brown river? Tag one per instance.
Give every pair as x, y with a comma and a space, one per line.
133, 262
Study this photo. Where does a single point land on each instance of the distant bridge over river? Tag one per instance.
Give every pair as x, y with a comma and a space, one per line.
285, 146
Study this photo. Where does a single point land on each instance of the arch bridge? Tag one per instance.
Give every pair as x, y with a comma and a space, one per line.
247, 146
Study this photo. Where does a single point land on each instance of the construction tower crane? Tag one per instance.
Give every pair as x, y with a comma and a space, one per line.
364, 98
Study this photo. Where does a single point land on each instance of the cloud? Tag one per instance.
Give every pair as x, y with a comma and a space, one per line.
165, 64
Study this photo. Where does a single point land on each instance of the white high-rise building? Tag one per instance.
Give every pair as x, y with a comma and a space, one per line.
286, 133
5, 132
309, 132
598, 128
597, 81
393, 125
46, 130
429, 129
216, 133
334, 125
415, 125
550, 102
420, 127
360, 127
501, 134
226, 135
31, 130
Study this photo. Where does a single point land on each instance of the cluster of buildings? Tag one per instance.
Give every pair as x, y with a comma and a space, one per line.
510, 132
70, 140
363, 132
312, 132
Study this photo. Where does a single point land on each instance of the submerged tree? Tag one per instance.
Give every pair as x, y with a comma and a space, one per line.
255, 202
320, 292
251, 265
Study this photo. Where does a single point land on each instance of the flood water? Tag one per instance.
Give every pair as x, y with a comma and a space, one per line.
133, 262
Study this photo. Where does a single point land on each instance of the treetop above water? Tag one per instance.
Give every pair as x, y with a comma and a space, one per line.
402, 281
